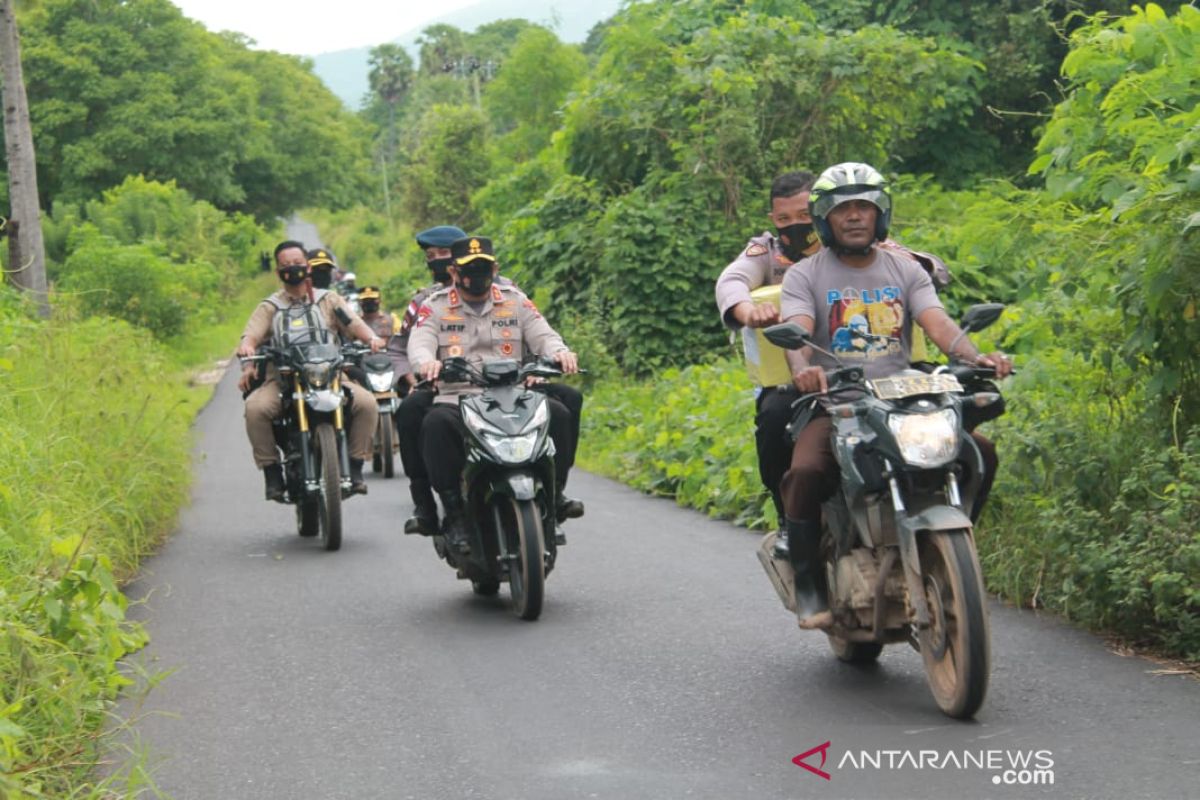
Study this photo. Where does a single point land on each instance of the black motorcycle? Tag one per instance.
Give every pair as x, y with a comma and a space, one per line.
898, 544
311, 431
379, 377
508, 483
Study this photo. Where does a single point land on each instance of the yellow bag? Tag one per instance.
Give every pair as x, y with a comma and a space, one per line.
766, 364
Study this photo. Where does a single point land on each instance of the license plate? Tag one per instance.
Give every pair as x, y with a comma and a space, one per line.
909, 385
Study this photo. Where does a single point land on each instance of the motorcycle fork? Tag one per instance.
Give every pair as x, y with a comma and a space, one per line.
906, 537
340, 428
310, 477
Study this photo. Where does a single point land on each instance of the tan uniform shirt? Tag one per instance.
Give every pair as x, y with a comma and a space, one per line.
762, 263
507, 324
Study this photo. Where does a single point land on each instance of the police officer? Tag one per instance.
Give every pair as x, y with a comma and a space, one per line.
416, 404
436, 243
323, 270
263, 403
764, 262
384, 323
461, 321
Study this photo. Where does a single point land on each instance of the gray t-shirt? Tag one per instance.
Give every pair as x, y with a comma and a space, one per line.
882, 299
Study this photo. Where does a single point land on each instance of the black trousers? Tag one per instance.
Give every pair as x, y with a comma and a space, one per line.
443, 443
774, 412
409, 417
572, 399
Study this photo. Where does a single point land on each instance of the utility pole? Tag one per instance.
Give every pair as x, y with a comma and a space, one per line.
26, 251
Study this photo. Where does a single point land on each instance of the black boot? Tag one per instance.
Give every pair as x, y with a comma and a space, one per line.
273, 475
804, 547
358, 484
424, 519
454, 526
568, 507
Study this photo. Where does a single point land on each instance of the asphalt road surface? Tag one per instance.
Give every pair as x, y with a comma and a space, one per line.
663, 667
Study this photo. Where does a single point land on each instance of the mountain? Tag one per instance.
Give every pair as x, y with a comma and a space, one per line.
345, 71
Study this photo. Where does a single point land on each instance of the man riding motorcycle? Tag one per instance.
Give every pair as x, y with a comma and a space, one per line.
479, 320
263, 403
858, 300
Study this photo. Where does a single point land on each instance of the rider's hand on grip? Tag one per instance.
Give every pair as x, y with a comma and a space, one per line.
430, 370
811, 380
567, 361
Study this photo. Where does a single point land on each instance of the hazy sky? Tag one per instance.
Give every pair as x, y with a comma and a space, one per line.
308, 28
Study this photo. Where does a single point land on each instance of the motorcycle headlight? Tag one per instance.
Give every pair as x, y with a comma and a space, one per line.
537, 420
512, 449
381, 381
926, 440
318, 375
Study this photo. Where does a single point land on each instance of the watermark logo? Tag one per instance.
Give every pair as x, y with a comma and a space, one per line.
1006, 767
823, 749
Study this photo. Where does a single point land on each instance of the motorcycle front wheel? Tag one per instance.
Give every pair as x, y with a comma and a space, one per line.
526, 542
329, 500
956, 648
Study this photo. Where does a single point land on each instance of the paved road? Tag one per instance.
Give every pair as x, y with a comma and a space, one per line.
663, 667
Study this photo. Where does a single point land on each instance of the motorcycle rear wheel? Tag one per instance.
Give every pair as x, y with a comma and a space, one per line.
329, 500
526, 540
387, 445
956, 648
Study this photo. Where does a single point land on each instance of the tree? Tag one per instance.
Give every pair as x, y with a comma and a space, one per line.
390, 79
27, 253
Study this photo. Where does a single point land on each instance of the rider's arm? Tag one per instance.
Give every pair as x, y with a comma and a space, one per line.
807, 377
542, 339
942, 330
423, 348
748, 272
257, 330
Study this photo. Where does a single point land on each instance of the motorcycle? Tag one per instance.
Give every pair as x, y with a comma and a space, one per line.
380, 377
897, 545
508, 483
311, 431
348, 289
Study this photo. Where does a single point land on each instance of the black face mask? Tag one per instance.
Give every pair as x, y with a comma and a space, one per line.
475, 279
370, 306
440, 268
293, 276
322, 278
796, 238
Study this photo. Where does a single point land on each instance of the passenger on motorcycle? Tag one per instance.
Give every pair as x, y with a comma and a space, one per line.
857, 300
323, 271
385, 324
263, 403
479, 320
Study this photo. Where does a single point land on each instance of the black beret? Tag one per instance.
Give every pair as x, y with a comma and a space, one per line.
440, 236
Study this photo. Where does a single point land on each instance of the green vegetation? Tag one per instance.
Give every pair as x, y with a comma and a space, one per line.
122, 88
96, 406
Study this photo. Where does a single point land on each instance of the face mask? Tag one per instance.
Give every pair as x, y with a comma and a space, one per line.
796, 238
293, 276
475, 280
440, 267
370, 306
321, 278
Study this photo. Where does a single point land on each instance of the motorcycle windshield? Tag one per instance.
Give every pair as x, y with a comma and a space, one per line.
320, 352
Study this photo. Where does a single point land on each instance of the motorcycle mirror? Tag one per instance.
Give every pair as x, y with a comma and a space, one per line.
787, 335
981, 316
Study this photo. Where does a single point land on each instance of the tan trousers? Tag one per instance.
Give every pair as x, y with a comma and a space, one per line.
263, 405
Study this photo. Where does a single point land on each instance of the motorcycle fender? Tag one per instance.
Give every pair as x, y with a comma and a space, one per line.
937, 518
520, 485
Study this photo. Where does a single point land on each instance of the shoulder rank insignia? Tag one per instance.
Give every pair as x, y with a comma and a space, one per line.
453, 297
756, 249
497, 296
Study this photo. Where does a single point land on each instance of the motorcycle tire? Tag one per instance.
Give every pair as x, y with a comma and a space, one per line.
526, 572
387, 445
855, 652
308, 517
485, 588
329, 500
956, 648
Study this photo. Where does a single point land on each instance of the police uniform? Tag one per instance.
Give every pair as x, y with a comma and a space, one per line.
264, 404
503, 325
762, 263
